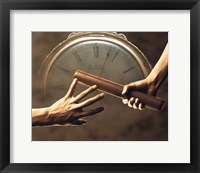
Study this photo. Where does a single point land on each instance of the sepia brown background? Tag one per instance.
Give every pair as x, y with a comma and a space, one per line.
144, 125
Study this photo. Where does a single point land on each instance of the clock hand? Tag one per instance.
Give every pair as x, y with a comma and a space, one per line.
75, 53
96, 50
104, 62
115, 56
62, 69
129, 69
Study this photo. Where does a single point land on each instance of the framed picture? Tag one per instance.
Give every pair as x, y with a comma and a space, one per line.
86, 86
116, 65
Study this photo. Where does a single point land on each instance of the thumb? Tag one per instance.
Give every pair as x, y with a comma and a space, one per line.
125, 89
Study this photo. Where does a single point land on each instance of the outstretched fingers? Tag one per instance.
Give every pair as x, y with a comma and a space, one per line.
91, 112
85, 93
78, 119
91, 101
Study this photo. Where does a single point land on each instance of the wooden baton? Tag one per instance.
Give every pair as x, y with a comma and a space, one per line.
115, 89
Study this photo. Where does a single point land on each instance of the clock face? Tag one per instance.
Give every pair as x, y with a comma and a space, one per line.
99, 57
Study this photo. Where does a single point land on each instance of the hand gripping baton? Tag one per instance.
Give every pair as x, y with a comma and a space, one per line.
115, 89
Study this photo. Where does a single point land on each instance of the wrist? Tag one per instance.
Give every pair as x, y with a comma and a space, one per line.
40, 117
156, 80
152, 84
150, 80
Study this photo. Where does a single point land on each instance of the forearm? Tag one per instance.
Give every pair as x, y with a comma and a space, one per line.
160, 71
40, 117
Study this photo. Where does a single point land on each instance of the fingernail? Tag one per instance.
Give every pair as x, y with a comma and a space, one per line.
129, 104
83, 124
101, 108
75, 80
102, 95
136, 100
134, 106
140, 106
94, 86
125, 101
124, 90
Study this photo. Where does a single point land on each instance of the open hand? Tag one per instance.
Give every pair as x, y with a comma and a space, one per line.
68, 110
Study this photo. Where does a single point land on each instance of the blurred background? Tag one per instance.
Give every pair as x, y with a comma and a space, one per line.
146, 125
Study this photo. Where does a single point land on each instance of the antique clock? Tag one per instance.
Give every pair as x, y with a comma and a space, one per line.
106, 54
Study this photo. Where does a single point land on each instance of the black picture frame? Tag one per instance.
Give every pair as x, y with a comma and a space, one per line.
7, 5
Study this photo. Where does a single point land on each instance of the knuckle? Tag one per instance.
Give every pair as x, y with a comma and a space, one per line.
129, 104
134, 106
